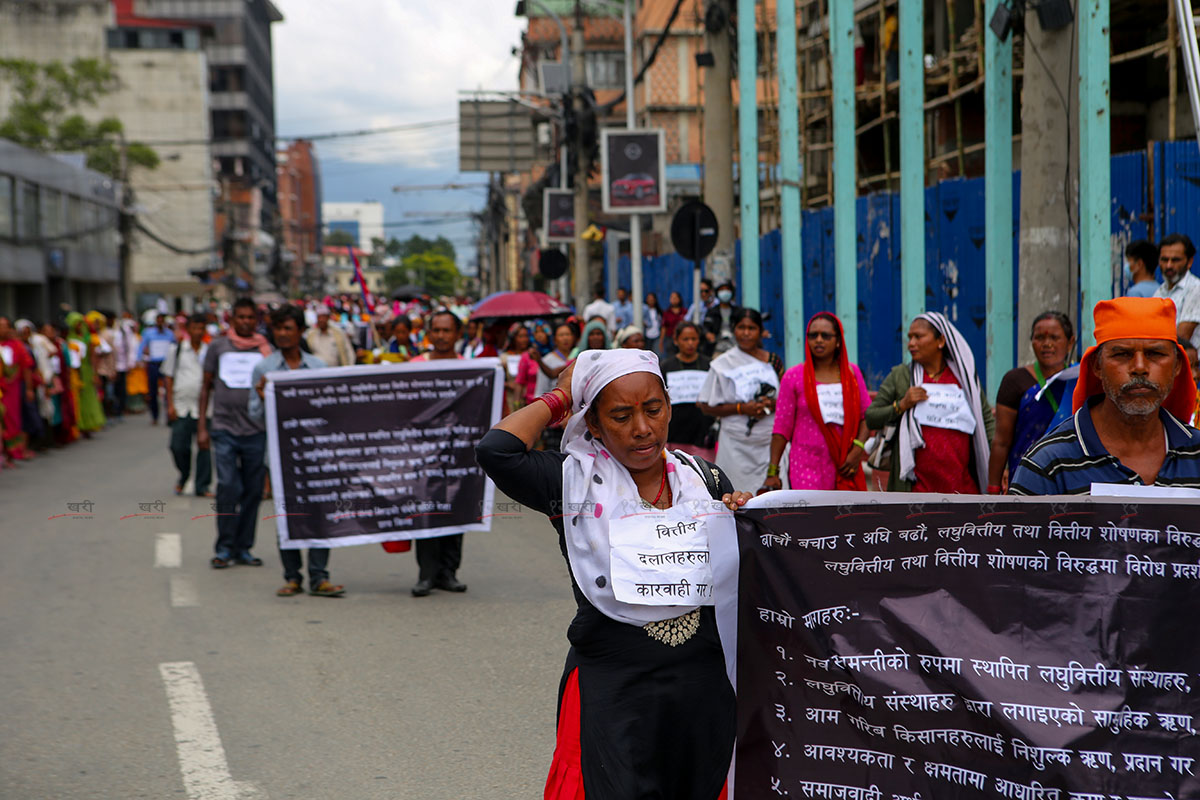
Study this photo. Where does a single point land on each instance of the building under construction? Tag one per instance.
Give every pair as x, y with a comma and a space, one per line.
1148, 96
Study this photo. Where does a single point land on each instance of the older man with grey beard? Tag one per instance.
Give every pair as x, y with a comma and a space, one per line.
1134, 391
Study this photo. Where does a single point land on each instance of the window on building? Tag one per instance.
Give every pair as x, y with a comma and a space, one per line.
30, 225
229, 124
51, 212
8, 209
227, 79
74, 218
605, 69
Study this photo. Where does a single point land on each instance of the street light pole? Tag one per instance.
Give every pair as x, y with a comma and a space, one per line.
635, 224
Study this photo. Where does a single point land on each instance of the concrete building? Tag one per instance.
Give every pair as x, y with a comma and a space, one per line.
363, 221
58, 236
300, 216
339, 272
164, 97
242, 102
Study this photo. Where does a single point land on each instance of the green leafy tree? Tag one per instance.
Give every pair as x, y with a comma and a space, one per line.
378, 250
417, 244
432, 271
339, 239
44, 114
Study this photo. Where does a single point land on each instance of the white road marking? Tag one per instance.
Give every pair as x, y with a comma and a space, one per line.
168, 551
183, 592
197, 742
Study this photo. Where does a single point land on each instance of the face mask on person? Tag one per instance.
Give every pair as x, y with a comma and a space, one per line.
724, 295
1126, 273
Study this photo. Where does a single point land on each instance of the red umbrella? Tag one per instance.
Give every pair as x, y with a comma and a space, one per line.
519, 304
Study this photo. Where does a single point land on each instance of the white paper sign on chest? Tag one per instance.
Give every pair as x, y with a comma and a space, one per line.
833, 409
946, 407
684, 385
661, 558
235, 369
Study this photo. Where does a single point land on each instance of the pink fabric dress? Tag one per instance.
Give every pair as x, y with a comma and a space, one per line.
809, 464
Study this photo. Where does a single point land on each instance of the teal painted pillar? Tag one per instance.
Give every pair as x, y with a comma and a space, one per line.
789, 173
845, 190
912, 166
997, 202
1095, 145
748, 149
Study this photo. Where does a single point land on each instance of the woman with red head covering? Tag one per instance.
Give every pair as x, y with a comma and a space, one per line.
820, 414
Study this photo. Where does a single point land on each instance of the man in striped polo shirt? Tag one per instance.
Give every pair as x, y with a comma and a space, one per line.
1134, 387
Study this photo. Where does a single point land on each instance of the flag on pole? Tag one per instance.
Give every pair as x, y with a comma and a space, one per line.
362, 282
368, 302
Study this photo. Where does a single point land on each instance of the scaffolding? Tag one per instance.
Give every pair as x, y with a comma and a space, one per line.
1143, 31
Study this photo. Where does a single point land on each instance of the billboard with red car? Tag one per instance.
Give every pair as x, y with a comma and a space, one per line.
634, 171
558, 215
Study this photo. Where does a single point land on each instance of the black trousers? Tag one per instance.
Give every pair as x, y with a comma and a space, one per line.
439, 559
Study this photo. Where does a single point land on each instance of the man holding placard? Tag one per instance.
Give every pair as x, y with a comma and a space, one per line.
1134, 389
239, 442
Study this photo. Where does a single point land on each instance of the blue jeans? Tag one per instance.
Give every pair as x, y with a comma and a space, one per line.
318, 565
241, 469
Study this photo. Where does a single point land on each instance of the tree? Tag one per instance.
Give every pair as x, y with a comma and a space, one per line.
432, 271
339, 238
44, 114
378, 249
417, 244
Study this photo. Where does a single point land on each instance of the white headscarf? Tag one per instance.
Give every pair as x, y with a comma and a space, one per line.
598, 491
961, 362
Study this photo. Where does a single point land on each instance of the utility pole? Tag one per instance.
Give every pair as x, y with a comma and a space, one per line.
1048, 253
125, 228
635, 222
718, 134
583, 277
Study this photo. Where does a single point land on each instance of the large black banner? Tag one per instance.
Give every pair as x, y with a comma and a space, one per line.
379, 453
1031, 649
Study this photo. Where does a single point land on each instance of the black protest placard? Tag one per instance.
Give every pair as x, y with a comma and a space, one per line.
379, 453
1032, 649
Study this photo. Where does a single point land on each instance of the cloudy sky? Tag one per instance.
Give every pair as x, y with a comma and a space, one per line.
374, 63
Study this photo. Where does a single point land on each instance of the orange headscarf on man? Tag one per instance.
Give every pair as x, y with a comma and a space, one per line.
1137, 318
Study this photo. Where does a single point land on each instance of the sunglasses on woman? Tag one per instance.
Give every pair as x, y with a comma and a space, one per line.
822, 335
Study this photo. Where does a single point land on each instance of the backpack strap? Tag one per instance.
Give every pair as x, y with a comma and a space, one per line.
707, 472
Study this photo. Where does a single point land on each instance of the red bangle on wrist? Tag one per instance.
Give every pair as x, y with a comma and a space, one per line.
557, 405
995, 490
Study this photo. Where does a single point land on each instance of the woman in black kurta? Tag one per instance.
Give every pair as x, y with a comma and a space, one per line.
655, 712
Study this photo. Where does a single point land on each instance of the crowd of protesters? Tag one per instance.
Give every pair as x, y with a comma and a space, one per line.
766, 424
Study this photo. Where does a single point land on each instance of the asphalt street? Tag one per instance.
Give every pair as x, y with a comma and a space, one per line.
131, 669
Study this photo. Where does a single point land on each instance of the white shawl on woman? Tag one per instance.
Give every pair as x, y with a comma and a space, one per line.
598, 492
961, 362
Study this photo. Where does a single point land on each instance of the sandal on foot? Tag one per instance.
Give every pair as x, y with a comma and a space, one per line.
289, 589
327, 589
219, 563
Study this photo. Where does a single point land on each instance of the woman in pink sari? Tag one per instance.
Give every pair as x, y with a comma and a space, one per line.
16, 383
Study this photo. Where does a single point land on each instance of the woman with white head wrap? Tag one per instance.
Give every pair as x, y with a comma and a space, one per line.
941, 420
646, 709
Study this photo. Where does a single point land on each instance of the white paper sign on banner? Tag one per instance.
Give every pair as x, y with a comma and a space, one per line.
661, 558
684, 385
158, 349
235, 368
749, 378
946, 407
833, 410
